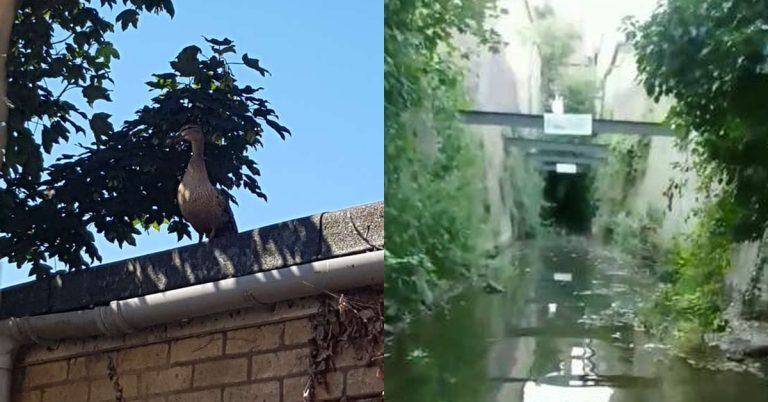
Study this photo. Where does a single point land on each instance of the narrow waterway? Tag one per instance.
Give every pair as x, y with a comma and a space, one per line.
561, 332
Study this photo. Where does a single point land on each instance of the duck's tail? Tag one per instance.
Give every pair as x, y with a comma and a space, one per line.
228, 226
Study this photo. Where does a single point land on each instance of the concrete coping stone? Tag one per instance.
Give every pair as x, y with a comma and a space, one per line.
317, 237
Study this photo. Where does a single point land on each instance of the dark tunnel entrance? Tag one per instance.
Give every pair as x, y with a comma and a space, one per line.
568, 202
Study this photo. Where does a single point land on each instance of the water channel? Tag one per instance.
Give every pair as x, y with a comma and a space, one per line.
561, 332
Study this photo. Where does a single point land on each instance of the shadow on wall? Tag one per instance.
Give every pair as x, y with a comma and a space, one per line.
298, 241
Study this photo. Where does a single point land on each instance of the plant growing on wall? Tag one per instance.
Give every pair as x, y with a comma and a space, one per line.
125, 178
556, 41
691, 300
524, 193
710, 57
433, 185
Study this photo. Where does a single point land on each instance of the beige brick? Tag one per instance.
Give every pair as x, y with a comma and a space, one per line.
91, 366
45, 373
298, 331
221, 372
347, 356
252, 339
278, 364
364, 381
143, 357
103, 389
172, 379
211, 395
293, 388
197, 348
260, 392
30, 396
76, 391
247, 317
77, 368
63, 350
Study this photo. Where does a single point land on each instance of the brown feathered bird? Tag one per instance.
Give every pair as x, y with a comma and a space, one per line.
204, 207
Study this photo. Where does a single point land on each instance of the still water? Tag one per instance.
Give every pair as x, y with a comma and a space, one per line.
562, 332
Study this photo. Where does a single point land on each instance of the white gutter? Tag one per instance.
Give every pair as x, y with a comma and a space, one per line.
130, 315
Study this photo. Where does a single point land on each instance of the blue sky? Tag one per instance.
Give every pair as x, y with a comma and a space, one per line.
326, 60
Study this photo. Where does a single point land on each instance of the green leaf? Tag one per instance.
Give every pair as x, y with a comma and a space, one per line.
168, 6
254, 64
52, 134
93, 92
40, 270
165, 76
280, 129
218, 42
127, 18
225, 50
187, 63
100, 124
106, 51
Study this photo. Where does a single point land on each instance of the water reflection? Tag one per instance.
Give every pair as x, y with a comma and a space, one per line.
562, 332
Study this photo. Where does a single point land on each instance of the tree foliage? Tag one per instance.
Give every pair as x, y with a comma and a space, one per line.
711, 57
692, 298
125, 178
433, 189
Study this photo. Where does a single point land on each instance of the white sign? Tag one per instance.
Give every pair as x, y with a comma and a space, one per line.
567, 124
563, 276
568, 168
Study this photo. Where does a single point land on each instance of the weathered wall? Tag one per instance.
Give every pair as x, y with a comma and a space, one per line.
650, 189
747, 280
257, 354
507, 81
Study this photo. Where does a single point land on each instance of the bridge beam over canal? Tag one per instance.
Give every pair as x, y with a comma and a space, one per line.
536, 121
544, 146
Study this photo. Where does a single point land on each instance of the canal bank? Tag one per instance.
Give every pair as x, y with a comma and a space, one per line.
564, 327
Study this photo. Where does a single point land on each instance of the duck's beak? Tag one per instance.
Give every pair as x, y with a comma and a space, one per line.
175, 139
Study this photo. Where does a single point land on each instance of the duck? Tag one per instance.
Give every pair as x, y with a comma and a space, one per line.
206, 208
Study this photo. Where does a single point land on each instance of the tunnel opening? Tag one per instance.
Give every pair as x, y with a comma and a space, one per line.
568, 204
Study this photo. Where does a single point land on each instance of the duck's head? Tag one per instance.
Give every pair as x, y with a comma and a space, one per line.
190, 133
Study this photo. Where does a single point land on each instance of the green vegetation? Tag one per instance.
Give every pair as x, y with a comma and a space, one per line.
433, 172
710, 57
524, 193
438, 214
692, 298
556, 41
615, 222
579, 91
122, 179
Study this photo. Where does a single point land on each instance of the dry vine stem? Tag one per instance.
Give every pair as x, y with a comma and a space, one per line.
345, 322
115, 379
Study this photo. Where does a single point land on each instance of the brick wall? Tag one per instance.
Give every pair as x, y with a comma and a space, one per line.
256, 354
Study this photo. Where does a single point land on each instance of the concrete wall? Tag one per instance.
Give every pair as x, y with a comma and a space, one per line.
507, 81
504, 82
257, 354
658, 175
